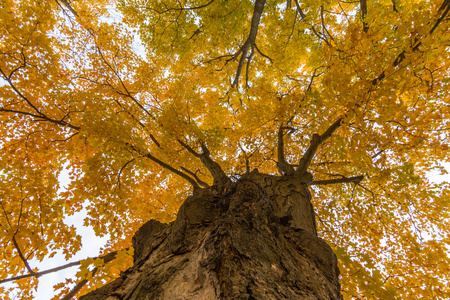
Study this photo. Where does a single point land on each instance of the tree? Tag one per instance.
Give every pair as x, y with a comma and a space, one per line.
169, 99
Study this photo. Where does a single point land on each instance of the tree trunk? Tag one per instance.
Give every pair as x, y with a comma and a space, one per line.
254, 239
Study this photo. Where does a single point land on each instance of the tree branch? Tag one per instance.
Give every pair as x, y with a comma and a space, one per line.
78, 286
38, 114
173, 170
354, 179
316, 141
166, 166
300, 11
189, 149
199, 181
41, 117
121, 169
213, 167
444, 9
282, 165
24, 260
69, 7
394, 6
363, 5
106, 258
256, 18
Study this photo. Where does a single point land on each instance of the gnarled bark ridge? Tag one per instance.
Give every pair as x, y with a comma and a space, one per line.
256, 239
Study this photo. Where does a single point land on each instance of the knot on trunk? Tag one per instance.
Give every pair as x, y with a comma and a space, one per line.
247, 193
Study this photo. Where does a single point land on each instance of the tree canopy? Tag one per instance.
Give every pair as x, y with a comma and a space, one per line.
139, 100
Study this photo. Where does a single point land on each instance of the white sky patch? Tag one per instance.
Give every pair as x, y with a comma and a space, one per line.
437, 177
91, 248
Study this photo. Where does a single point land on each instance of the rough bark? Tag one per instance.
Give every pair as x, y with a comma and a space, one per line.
256, 239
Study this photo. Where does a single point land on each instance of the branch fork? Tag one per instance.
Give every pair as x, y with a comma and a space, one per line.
301, 169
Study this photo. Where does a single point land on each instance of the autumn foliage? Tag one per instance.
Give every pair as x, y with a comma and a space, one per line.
124, 94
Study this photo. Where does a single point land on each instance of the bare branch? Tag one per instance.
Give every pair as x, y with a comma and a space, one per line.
355, 180
316, 141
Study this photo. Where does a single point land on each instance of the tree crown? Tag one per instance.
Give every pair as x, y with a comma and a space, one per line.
144, 102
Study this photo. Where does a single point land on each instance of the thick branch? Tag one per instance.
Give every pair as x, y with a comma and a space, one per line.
166, 166
172, 169
316, 141
282, 165
355, 180
78, 286
213, 167
153, 139
69, 7
199, 181
363, 4
250, 42
189, 149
